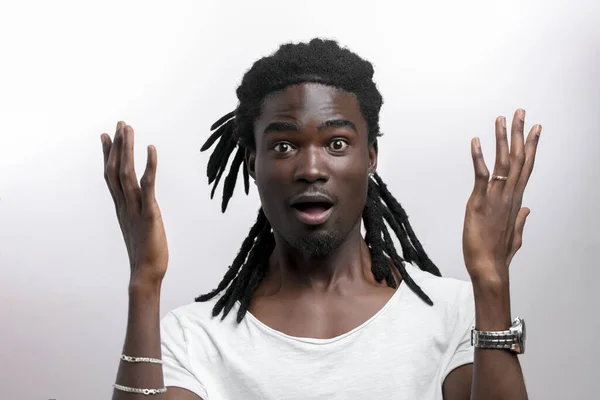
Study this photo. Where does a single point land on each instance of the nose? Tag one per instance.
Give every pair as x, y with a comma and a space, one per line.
311, 165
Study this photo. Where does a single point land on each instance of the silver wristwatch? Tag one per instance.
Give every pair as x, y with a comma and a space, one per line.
513, 339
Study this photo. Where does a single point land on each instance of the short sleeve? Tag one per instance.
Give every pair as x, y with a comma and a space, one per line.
176, 365
464, 352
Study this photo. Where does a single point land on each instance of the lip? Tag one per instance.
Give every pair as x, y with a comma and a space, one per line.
312, 218
310, 198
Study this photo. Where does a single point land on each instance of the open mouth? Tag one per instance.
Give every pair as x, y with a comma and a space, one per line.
312, 208
313, 213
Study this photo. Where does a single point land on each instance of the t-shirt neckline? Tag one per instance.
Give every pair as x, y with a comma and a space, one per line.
320, 341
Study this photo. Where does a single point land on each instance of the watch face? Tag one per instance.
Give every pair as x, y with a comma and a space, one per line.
523, 335
520, 330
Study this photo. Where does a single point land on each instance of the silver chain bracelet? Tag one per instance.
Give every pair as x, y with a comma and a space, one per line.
140, 359
146, 392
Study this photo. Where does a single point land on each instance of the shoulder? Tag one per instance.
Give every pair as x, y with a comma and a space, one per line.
452, 298
196, 320
450, 320
196, 313
443, 289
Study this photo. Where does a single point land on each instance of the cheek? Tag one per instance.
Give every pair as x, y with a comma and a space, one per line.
353, 171
262, 171
352, 184
270, 182
272, 173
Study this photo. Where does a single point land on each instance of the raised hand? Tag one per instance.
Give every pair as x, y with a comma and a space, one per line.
494, 219
137, 210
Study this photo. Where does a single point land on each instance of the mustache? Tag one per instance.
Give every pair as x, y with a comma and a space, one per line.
313, 191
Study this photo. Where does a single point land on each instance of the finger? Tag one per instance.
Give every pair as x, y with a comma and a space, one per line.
127, 175
113, 165
502, 164
106, 145
530, 153
517, 150
148, 181
518, 234
482, 174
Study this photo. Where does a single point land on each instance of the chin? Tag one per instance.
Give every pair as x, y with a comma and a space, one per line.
318, 243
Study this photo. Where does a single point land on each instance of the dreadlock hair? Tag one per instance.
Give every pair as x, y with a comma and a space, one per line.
325, 62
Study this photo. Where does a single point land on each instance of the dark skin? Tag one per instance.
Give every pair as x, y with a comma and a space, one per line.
312, 137
302, 294
319, 140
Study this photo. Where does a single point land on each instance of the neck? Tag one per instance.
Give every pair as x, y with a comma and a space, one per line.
345, 269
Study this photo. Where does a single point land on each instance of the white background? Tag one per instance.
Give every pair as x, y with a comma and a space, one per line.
70, 70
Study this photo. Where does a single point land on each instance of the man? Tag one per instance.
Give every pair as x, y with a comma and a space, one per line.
309, 308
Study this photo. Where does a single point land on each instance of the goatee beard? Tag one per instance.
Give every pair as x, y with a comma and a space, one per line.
318, 244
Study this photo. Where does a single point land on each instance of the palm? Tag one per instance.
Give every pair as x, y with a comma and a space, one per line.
138, 212
494, 219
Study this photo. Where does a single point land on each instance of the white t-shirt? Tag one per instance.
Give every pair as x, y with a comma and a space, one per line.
405, 351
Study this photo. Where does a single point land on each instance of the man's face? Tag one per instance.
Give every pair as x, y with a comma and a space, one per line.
311, 165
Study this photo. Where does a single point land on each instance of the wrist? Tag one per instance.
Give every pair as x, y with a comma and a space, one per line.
144, 290
492, 303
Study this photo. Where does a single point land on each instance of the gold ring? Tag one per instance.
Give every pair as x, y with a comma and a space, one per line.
499, 178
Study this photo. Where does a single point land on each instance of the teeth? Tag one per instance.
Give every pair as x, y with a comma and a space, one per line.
304, 206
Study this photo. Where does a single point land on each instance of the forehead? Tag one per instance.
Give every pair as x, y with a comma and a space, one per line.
311, 101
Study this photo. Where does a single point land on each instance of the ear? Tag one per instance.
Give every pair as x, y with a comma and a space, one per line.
250, 156
373, 152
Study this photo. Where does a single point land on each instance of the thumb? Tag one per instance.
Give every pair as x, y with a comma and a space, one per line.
517, 241
148, 180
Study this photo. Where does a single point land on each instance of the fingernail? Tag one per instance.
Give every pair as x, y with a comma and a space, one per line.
538, 130
503, 122
477, 143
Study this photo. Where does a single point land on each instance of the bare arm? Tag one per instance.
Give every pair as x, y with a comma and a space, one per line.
495, 374
492, 235
143, 340
141, 223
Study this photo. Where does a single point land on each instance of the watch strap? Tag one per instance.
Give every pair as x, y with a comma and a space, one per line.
512, 339
493, 339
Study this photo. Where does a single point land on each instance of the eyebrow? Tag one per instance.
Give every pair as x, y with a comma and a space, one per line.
288, 126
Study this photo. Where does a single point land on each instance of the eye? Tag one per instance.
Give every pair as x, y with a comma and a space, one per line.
338, 145
282, 147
